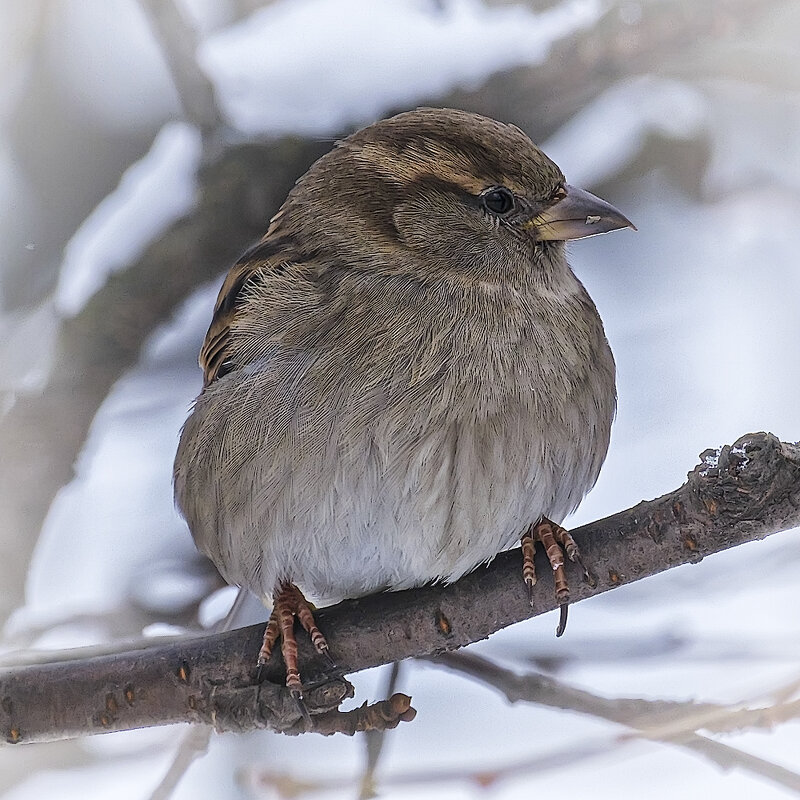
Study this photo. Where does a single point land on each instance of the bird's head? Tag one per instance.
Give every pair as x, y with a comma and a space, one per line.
441, 190
432, 198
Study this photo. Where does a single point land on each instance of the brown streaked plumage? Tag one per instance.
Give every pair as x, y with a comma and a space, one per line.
403, 377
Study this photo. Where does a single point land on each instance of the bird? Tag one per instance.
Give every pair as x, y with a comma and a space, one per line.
403, 377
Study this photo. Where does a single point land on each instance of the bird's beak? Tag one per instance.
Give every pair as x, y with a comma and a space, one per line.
576, 216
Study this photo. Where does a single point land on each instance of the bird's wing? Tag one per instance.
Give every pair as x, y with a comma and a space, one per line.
259, 261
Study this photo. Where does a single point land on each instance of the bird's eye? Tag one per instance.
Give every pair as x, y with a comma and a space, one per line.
498, 201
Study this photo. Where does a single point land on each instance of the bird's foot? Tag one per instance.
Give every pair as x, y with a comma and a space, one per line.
289, 604
556, 541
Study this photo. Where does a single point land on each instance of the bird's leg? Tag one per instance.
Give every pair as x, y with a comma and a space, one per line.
528, 562
564, 538
556, 541
271, 634
289, 604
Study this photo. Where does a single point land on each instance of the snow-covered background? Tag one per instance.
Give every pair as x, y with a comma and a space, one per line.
702, 308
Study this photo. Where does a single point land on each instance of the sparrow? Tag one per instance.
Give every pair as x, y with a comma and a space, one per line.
403, 378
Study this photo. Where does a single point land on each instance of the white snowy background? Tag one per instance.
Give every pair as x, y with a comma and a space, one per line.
702, 308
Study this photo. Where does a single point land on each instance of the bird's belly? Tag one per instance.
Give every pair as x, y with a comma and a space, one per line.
399, 508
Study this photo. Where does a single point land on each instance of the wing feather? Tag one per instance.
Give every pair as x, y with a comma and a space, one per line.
262, 259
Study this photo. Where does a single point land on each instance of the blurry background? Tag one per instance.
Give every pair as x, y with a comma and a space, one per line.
144, 144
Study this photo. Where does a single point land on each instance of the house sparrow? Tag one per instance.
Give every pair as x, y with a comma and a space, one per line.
403, 377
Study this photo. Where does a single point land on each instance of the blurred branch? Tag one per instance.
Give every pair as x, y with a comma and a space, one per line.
193, 745
661, 38
674, 723
533, 687
267, 783
40, 436
737, 494
244, 8
670, 723
373, 741
239, 190
178, 40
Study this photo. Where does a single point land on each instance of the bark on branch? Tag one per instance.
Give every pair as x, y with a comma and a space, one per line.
743, 492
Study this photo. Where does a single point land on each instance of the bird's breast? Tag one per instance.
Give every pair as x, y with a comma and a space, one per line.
401, 454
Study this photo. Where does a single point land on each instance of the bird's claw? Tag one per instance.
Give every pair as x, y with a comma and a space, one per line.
290, 605
562, 619
556, 542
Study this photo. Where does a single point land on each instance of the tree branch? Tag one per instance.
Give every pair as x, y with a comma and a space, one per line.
670, 722
737, 494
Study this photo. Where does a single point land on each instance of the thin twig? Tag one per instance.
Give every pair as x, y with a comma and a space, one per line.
178, 40
267, 782
194, 744
544, 690
670, 723
373, 740
674, 723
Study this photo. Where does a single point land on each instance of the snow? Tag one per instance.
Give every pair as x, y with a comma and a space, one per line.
316, 66
596, 151
151, 195
700, 309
